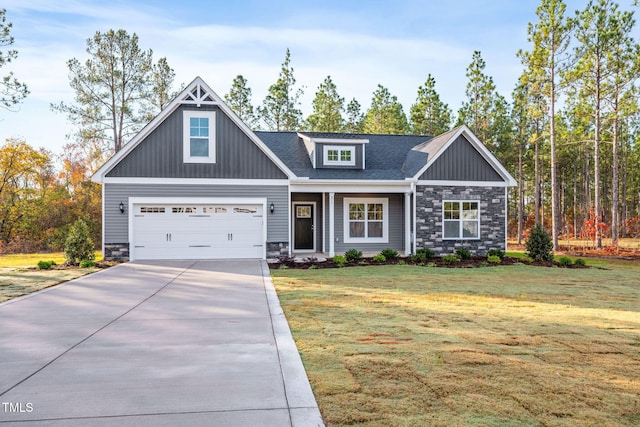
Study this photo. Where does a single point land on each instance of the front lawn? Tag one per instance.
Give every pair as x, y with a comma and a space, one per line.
18, 275
406, 346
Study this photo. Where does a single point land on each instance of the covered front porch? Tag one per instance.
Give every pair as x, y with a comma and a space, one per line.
330, 218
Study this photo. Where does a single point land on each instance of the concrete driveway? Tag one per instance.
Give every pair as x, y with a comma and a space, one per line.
154, 344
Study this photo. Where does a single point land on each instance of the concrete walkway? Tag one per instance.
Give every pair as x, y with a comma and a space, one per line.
154, 344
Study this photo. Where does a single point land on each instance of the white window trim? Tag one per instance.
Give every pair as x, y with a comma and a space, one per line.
188, 114
461, 220
385, 220
339, 148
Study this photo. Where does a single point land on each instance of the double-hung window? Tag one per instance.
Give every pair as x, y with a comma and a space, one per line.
338, 155
366, 220
199, 139
461, 219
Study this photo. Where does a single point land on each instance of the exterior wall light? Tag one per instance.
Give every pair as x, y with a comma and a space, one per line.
272, 207
121, 206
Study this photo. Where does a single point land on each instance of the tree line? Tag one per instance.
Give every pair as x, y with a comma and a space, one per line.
567, 132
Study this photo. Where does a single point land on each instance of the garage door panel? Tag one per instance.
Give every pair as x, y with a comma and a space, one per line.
163, 231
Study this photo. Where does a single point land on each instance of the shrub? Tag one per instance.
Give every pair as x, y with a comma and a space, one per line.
539, 245
340, 260
494, 259
580, 262
87, 263
565, 261
389, 253
78, 245
450, 259
379, 258
44, 265
495, 252
422, 255
463, 253
353, 255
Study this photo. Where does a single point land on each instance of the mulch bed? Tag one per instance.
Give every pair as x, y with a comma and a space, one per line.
474, 262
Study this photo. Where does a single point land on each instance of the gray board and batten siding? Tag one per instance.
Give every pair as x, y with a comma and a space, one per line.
461, 162
116, 226
160, 155
396, 223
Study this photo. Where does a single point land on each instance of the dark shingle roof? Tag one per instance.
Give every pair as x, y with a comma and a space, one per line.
388, 157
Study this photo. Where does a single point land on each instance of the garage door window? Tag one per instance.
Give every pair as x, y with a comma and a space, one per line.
215, 210
183, 210
245, 210
154, 209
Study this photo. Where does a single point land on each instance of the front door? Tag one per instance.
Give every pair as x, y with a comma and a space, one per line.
303, 228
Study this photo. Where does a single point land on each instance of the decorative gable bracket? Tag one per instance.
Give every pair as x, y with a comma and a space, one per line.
199, 96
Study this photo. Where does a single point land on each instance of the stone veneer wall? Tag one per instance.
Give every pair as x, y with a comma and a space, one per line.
429, 218
276, 249
116, 251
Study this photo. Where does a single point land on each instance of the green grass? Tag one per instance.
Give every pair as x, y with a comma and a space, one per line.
516, 345
30, 260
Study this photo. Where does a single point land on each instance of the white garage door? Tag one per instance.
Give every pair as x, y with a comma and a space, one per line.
197, 231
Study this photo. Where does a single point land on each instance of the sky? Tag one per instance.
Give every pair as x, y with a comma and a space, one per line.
360, 44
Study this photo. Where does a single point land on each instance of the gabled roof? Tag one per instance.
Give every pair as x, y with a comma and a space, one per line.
437, 146
196, 93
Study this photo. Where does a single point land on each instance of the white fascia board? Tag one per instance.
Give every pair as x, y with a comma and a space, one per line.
339, 141
478, 145
194, 181
465, 183
363, 186
101, 173
198, 200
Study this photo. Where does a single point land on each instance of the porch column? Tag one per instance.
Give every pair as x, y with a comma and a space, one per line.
332, 238
407, 223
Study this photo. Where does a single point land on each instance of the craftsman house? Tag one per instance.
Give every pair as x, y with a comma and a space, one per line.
197, 183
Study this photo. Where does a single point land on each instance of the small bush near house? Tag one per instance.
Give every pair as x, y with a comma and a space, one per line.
494, 259
450, 259
580, 262
78, 245
495, 252
353, 255
539, 245
565, 261
422, 255
379, 258
463, 253
87, 263
389, 253
340, 260
45, 265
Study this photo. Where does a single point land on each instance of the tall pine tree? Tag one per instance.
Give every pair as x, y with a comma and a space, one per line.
239, 100
429, 115
279, 109
385, 116
327, 109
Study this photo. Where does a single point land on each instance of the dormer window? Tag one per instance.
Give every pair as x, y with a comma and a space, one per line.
339, 155
199, 138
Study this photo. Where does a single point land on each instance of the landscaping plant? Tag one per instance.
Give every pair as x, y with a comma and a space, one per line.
78, 245
463, 253
539, 245
353, 255
389, 253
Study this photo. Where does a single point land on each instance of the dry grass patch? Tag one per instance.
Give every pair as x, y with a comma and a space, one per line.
405, 345
15, 282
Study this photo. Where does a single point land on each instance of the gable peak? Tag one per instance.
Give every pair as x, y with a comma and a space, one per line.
199, 94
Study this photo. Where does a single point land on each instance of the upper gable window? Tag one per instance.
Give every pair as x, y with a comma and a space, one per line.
339, 155
199, 140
